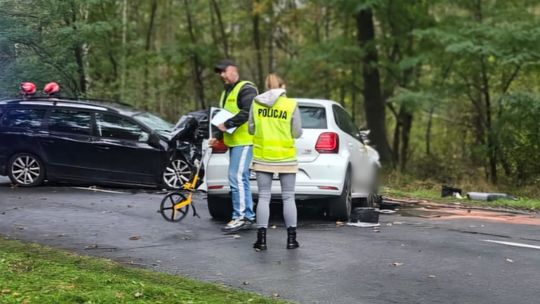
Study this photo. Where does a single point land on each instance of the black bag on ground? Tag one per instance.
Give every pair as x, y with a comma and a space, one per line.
449, 191
364, 215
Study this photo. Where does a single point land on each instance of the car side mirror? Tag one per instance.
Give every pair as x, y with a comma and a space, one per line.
154, 140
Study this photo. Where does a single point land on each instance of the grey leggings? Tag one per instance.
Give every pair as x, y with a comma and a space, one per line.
264, 183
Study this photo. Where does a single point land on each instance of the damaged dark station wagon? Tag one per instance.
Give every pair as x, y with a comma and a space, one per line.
90, 142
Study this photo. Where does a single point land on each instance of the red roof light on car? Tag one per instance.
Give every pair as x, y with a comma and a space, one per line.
51, 88
28, 88
328, 142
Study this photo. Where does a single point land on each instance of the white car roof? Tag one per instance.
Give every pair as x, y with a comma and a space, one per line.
313, 101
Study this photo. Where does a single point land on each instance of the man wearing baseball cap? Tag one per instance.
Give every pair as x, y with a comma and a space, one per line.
237, 98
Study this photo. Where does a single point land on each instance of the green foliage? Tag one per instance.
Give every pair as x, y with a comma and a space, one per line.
414, 100
518, 133
454, 68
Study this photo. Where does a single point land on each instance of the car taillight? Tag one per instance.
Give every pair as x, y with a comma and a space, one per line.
219, 147
328, 142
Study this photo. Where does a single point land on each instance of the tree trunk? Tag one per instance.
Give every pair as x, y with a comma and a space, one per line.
124, 51
374, 104
326, 73
406, 119
224, 40
270, 43
396, 141
80, 68
257, 41
428, 131
78, 52
197, 67
147, 45
491, 145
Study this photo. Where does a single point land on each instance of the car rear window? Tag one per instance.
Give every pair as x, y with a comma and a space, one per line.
313, 117
24, 118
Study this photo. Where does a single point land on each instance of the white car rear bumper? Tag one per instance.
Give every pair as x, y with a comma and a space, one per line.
320, 179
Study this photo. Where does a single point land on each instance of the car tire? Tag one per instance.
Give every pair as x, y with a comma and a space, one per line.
177, 172
220, 208
340, 207
26, 170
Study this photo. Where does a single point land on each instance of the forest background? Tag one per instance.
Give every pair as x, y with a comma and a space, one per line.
449, 89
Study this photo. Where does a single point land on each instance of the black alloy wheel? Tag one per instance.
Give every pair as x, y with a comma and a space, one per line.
177, 173
26, 170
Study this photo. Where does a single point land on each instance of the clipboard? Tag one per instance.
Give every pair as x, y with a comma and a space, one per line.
221, 116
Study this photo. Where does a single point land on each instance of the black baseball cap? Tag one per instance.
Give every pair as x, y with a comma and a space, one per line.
223, 64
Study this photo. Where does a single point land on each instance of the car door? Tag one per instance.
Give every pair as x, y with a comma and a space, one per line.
68, 148
355, 147
20, 130
124, 152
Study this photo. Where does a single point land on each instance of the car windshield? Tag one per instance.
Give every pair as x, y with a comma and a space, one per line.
156, 123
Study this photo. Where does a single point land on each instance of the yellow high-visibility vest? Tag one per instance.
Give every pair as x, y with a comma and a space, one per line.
273, 140
241, 136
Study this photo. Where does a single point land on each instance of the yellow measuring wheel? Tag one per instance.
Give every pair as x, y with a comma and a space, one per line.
175, 205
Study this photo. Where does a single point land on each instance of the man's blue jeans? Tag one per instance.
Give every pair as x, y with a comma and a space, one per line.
240, 159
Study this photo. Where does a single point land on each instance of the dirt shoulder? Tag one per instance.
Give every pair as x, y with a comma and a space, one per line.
454, 210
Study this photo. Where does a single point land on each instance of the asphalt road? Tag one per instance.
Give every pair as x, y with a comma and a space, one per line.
409, 259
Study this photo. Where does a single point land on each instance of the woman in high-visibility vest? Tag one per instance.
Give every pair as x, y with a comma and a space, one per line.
275, 121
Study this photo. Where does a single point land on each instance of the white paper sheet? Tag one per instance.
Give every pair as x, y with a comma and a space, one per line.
222, 116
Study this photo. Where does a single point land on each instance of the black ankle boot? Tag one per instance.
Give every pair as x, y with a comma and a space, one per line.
261, 239
291, 238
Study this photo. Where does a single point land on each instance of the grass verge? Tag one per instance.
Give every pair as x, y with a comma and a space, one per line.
401, 185
32, 273
435, 196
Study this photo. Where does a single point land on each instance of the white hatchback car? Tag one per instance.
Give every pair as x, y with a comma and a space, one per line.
336, 168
